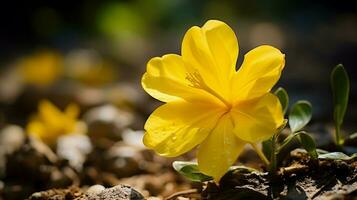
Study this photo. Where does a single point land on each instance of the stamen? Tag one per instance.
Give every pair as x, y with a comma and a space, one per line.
197, 81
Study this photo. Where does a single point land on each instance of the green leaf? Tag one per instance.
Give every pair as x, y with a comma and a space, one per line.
269, 145
340, 85
353, 136
337, 156
190, 170
306, 141
309, 144
300, 115
283, 98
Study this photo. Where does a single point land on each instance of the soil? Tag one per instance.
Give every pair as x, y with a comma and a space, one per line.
130, 171
303, 178
120, 192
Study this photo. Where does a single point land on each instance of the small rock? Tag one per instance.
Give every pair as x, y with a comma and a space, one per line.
95, 189
74, 148
119, 192
11, 85
134, 138
107, 122
109, 114
125, 160
11, 138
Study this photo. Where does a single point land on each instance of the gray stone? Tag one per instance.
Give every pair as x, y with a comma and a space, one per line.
74, 148
119, 192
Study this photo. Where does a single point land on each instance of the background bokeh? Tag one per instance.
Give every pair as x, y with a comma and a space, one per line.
99, 49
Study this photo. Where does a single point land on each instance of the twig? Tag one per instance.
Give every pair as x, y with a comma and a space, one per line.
293, 169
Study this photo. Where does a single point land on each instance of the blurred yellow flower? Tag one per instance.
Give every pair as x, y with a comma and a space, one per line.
50, 122
208, 102
41, 69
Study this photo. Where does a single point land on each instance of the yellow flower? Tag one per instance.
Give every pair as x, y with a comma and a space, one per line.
50, 122
208, 102
41, 69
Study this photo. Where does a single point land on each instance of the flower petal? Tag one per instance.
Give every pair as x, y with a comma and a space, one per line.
72, 111
166, 80
260, 70
50, 114
212, 51
258, 119
220, 149
223, 45
176, 127
36, 129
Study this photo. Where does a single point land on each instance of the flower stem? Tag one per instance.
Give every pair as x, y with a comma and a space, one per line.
273, 159
339, 141
260, 154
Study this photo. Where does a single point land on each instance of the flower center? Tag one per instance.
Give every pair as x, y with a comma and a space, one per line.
196, 81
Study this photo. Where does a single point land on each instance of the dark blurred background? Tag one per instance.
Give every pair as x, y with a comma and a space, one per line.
314, 35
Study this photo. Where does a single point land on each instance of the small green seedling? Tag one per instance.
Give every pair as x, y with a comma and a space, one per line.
190, 170
340, 86
299, 116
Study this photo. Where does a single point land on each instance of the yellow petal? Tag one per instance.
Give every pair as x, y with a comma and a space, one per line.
220, 149
72, 111
50, 114
166, 79
39, 130
41, 69
212, 52
260, 70
35, 128
223, 45
176, 127
56, 121
257, 119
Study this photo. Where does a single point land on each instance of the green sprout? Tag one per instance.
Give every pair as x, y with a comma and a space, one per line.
190, 171
299, 116
340, 85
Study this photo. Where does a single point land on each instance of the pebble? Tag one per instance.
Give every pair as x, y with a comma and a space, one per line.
11, 139
119, 192
74, 148
95, 189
